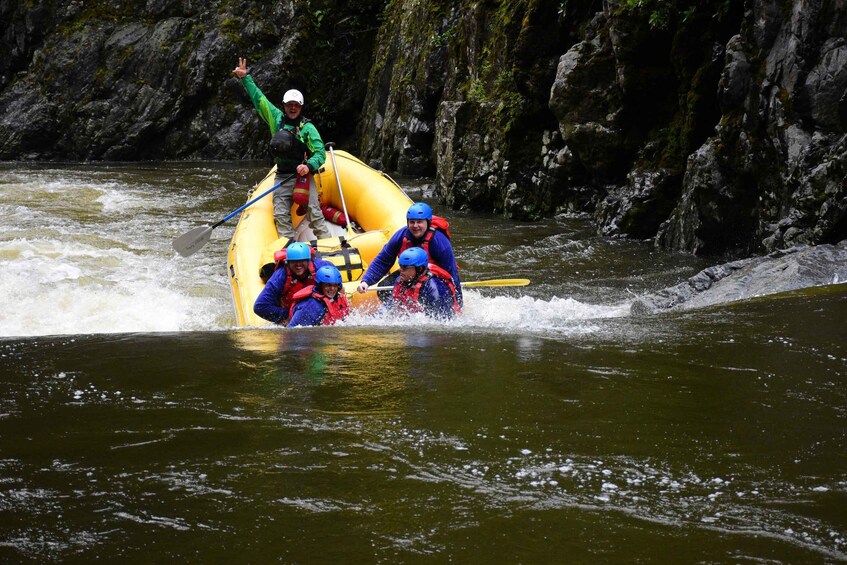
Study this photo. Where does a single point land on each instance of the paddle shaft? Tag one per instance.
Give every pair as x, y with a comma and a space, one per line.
191, 241
338, 182
251, 202
472, 284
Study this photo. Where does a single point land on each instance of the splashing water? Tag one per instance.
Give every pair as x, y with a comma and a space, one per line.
88, 255
88, 250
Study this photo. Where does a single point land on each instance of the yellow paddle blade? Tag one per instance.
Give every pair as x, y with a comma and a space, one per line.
496, 282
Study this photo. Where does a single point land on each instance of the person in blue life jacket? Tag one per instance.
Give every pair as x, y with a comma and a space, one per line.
423, 287
323, 304
419, 232
297, 147
293, 274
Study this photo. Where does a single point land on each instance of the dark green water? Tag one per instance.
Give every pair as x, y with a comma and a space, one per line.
547, 426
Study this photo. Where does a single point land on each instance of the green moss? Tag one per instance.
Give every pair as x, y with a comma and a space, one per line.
98, 12
191, 38
476, 91
124, 54
495, 79
231, 29
107, 11
230, 25
100, 75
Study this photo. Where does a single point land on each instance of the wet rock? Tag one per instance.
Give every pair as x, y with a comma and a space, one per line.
711, 200
825, 87
735, 80
639, 207
470, 164
792, 269
586, 101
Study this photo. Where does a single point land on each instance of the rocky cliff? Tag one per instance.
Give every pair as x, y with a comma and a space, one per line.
133, 79
710, 127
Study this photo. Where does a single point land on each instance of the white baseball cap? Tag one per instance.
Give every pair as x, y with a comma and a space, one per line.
293, 96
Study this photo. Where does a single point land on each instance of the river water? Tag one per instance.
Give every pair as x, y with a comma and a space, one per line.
137, 424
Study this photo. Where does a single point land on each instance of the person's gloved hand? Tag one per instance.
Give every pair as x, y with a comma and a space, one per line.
363, 287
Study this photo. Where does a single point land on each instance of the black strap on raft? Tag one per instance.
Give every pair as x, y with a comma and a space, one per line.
347, 260
266, 271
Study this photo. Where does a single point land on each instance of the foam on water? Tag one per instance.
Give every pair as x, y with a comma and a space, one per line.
61, 287
525, 313
81, 256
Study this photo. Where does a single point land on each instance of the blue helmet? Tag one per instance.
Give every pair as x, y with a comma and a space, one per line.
298, 251
414, 257
328, 274
419, 211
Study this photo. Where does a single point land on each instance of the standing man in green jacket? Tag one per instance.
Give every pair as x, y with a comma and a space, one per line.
302, 153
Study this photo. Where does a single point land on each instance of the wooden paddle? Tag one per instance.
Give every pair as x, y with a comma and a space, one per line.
472, 284
190, 242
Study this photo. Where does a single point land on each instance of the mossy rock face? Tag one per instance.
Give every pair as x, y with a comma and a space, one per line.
472, 171
128, 72
736, 111
431, 53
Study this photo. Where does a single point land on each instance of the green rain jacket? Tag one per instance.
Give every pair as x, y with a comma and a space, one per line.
275, 119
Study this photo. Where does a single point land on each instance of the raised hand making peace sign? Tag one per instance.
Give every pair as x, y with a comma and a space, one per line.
241, 70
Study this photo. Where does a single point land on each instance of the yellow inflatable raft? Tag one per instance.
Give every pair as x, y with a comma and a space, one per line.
374, 202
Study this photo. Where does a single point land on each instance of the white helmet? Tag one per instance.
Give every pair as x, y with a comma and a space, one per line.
293, 96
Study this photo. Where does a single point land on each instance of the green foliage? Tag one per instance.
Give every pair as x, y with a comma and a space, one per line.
505, 81
501, 89
317, 17
443, 39
476, 91
662, 14
657, 12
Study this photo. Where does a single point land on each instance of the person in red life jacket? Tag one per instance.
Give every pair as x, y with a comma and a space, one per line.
419, 232
323, 304
297, 147
296, 273
423, 287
